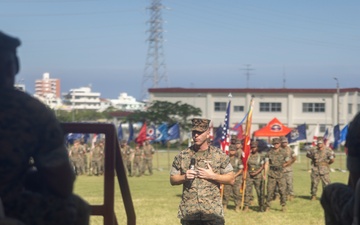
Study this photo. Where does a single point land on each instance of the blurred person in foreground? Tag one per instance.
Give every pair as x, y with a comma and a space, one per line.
201, 200
339, 201
36, 177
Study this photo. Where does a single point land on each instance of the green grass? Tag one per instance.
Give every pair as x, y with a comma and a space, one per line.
156, 201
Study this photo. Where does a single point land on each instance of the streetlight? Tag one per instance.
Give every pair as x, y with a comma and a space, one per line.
338, 100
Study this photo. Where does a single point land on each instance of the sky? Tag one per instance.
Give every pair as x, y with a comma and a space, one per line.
207, 44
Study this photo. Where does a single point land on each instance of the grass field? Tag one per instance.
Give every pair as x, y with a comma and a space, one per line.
156, 201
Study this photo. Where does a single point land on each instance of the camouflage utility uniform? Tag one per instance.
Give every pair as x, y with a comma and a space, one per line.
138, 156
255, 165
148, 155
97, 155
129, 157
77, 152
234, 190
29, 130
288, 173
201, 201
276, 159
320, 169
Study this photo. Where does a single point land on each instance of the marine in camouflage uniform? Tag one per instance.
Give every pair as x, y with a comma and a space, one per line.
129, 156
137, 162
76, 154
201, 201
288, 170
234, 190
97, 157
148, 150
321, 157
276, 159
255, 177
41, 192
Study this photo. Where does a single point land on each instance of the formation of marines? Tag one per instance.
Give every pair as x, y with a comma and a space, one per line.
137, 160
87, 159
273, 167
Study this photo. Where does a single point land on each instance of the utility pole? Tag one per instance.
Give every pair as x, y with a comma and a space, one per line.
247, 74
155, 67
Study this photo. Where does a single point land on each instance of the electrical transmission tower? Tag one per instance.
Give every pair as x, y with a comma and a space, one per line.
155, 67
247, 74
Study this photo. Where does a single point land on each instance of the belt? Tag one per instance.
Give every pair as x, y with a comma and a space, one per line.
276, 168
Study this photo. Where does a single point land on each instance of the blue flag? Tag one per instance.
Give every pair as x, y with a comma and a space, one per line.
174, 132
297, 134
86, 138
71, 137
131, 133
162, 133
217, 136
120, 132
343, 133
336, 136
151, 133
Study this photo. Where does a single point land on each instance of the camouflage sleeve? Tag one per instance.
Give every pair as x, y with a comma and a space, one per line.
331, 154
225, 166
266, 157
176, 166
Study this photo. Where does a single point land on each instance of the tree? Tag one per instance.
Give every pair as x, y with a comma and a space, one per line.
163, 111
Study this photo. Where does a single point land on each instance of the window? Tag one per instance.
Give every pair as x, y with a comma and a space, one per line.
220, 106
270, 107
350, 108
238, 108
313, 107
322, 128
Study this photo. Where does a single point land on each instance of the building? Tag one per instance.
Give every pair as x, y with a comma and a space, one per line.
46, 87
82, 98
127, 103
323, 107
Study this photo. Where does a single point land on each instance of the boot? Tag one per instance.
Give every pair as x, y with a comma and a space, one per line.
246, 209
290, 198
283, 208
224, 207
313, 198
267, 209
237, 208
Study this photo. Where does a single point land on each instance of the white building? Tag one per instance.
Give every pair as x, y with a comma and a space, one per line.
82, 98
291, 106
127, 103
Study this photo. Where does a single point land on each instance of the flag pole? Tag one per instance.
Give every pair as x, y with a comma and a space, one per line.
246, 150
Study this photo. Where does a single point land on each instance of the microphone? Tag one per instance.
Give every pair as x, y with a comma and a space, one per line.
192, 167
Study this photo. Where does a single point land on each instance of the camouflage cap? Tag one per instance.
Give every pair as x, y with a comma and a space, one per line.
123, 142
233, 137
232, 148
276, 140
200, 124
238, 141
253, 144
320, 140
283, 139
8, 43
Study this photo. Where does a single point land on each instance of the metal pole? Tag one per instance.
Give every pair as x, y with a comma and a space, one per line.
338, 114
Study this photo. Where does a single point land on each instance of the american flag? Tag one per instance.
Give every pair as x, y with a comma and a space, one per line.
225, 131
